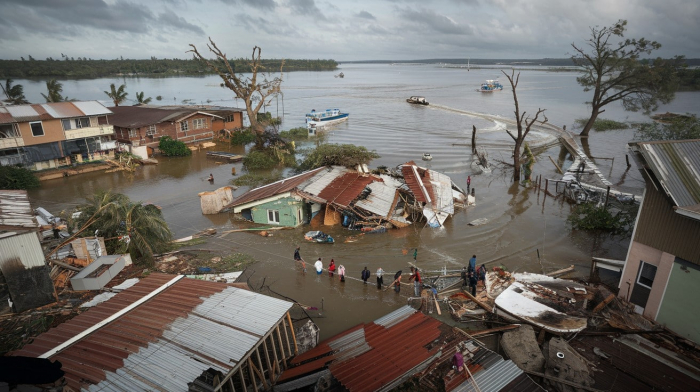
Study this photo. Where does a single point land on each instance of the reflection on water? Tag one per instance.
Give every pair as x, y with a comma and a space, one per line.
520, 223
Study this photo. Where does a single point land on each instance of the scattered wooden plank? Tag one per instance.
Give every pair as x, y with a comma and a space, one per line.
555, 165
494, 330
603, 304
561, 272
481, 304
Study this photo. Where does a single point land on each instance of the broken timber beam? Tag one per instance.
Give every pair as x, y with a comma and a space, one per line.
555, 165
481, 304
560, 272
602, 305
493, 330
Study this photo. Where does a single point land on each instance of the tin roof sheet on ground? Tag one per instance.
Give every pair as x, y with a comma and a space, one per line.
276, 188
345, 188
16, 211
165, 342
676, 165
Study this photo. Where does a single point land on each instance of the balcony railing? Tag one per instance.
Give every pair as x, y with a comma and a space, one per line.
89, 131
10, 142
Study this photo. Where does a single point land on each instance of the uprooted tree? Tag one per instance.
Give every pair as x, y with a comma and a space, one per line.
253, 92
615, 72
520, 118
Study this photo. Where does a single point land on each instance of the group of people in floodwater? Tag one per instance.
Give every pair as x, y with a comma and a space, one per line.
470, 275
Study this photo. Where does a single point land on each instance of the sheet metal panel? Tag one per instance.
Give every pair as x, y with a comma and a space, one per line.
380, 201
24, 247
22, 113
92, 108
62, 109
16, 211
395, 317
345, 188
320, 181
441, 192
273, 189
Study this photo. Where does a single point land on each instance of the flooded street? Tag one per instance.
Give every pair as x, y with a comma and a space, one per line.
520, 222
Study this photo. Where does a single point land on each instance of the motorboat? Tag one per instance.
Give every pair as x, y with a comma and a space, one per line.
417, 100
427, 156
490, 86
315, 120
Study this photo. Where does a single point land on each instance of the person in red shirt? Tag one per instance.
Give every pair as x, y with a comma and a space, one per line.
331, 268
417, 281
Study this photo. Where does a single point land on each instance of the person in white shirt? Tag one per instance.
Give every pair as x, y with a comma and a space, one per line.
319, 266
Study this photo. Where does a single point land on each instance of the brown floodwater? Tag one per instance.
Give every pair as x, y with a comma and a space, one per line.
525, 231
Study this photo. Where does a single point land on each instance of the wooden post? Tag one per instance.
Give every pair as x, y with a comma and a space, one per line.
251, 369
281, 344
473, 138
261, 373
546, 185
627, 159
607, 194
286, 335
240, 372
274, 351
230, 384
294, 337
270, 374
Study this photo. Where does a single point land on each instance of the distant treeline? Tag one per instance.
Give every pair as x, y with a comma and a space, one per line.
551, 62
79, 67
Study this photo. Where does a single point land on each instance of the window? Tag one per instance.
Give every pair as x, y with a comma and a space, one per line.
102, 120
82, 122
273, 216
647, 272
199, 123
9, 131
228, 118
133, 132
151, 130
184, 126
37, 128
67, 125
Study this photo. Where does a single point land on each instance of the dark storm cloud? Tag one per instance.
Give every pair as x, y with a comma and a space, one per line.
306, 7
279, 28
173, 21
366, 15
260, 4
69, 17
439, 23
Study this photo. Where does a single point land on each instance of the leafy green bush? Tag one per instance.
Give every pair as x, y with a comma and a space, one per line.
601, 124
267, 119
348, 155
589, 216
295, 133
678, 128
259, 160
17, 177
173, 148
243, 137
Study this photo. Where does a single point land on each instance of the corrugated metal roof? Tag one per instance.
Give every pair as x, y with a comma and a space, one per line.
16, 211
390, 353
276, 188
165, 342
138, 116
441, 192
676, 165
91, 108
48, 111
414, 182
317, 183
62, 109
380, 201
345, 188
23, 247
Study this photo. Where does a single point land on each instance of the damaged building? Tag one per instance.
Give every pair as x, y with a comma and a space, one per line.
24, 274
354, 198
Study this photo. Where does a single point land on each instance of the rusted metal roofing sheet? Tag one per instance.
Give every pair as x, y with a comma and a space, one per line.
165, 342
91, 108
320, 181
380, 201
5, 116
676, 164
16, 211
345, 188
371, 356
417, 181
276, 188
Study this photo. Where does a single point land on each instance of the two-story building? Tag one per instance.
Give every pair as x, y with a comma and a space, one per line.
48, 135
144, 125
662, 269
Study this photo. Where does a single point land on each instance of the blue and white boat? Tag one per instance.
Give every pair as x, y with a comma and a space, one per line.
490, 86
316, 120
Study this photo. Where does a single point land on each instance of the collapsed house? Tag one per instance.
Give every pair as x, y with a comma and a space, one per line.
24, 274
172, 333
381, 355
354, 198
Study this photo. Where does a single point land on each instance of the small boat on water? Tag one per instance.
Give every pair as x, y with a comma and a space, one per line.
416, 100
427, 156
340, 75
490, 86
315, 120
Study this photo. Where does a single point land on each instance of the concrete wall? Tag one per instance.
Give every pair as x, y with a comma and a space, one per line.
663, 262
288, 208
678, 310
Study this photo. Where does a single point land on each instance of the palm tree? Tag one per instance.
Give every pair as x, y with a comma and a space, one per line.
54, 91
14, 94
118, 95
128, 226
140, 100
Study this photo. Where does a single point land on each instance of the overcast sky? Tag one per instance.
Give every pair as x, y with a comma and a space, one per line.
341, 30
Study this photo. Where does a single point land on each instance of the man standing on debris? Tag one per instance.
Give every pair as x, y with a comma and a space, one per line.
415, 277
472, 264
473, 282
464, 276
365, 275
319, 266
482, 275
380, 278
55, 229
